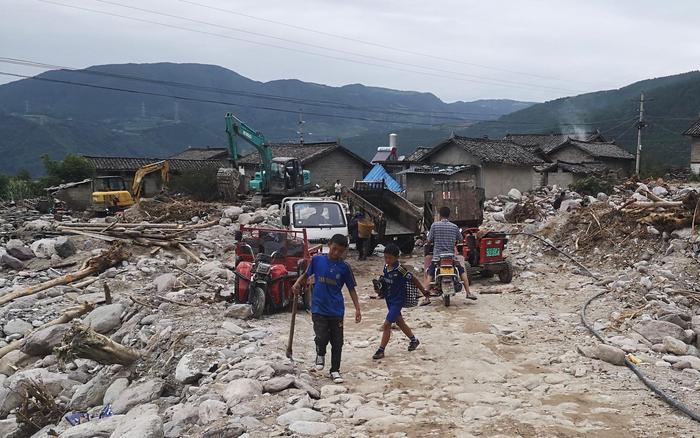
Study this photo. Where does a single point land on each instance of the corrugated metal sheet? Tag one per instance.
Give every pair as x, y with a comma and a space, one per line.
379, 173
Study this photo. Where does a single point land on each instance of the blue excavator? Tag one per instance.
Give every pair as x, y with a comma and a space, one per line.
276, 178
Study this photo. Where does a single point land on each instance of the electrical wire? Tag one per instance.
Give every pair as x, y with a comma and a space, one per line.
486, 81
663, 395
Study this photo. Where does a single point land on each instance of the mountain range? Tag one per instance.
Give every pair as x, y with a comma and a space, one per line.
157, 110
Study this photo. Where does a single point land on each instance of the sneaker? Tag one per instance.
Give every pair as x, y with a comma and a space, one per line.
336, 377
378, 355
413, 345
320, 362
471, 296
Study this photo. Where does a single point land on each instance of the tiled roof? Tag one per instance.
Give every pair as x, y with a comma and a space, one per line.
549, 142
694, 130
202, 154
578, 168
417, 154
491, 151
131, 164
306, 153
437, 169
602, 150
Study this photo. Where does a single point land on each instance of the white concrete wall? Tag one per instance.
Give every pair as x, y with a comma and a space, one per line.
500, 178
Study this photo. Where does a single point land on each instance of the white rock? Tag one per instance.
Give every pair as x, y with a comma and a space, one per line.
312, 428
165, 282
44, 248
515, 194
331, 390
197, 363
241, 390
478, 413
97, 427
368, 413
659, 191
114, 390
211, 410
675, 346
17, 326
138, 394
104, 319
150, 426
232, 212
302, 414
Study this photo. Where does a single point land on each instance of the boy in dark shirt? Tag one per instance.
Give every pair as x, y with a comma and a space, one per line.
396, 278
330, 273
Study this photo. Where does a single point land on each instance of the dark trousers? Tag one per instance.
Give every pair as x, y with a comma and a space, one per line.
329, 329
362, 245
337, 196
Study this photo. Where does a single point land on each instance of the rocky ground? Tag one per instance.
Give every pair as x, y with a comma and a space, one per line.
518, 362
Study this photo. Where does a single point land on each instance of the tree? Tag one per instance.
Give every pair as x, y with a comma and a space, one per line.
72, 168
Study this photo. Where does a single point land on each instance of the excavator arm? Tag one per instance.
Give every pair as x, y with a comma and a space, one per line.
236, 128
136, 186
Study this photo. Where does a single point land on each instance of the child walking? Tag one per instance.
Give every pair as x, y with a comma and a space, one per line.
396, 279
330, 273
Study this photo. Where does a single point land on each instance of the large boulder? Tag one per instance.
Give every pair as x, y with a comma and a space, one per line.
44, 248
165, 282
104, 319
91, 393
302, 414
17, 326
43, 341
312, 428
98, 427
138, 394
115, 390
197, 363
16, 248
655, 331
11, 262
64, 247
147, 426
211, 410
241, 390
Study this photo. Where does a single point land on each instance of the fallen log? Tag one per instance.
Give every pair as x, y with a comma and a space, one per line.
189, 253
69, 315
113, 256
83, 342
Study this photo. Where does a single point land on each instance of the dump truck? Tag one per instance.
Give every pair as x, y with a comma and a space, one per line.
396, 220
465, 201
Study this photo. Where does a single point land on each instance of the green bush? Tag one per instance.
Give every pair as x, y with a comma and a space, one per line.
200, 184
18, 189
592, 185
73, 168
4, 181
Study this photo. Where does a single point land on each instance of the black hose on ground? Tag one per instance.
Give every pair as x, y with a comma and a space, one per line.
635, 369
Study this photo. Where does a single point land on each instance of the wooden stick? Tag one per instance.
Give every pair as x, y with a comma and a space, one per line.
122, 224
640, 204
290, 341
85, 283
695, 214
196, 277
82, 341
108, 294
188, 253
68, 316
113, 256
142, 303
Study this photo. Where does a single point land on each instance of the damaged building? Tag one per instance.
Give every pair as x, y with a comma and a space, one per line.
694, 133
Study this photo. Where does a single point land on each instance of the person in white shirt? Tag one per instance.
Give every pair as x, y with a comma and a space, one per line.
337, 189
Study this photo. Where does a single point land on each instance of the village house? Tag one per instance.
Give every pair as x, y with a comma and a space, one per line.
126, 168
569, 157
694, 133
496, 165
327, 162
207, 153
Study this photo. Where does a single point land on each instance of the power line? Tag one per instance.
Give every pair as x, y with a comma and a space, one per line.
310, 102
480, 79
265, 108
369, 43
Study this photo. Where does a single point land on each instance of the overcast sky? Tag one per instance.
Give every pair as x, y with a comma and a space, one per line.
526, 50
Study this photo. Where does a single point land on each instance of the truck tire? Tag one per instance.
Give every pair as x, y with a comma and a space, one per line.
257, 302
407, 245
505, 275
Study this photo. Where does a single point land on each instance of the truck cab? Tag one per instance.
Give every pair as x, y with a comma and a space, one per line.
321, 217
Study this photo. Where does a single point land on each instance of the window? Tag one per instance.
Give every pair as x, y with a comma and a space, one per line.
318, 214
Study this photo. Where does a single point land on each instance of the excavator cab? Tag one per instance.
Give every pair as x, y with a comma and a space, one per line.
109, 194
286, 177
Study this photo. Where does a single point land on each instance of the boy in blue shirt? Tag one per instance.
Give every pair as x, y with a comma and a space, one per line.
330, 273
396, 279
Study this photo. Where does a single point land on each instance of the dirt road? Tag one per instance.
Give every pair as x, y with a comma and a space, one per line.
506, 365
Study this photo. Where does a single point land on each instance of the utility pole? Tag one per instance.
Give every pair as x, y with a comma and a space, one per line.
301, 128
640, 126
